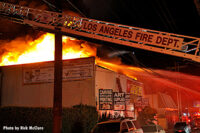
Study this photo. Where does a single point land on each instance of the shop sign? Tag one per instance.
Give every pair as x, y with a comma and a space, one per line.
119, 100
105, 99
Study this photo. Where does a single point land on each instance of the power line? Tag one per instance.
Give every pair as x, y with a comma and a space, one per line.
159, 15
165, 16
53, 7
76, 8
172, 20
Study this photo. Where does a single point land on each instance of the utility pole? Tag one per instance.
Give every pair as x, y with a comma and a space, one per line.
58, 68
57, 99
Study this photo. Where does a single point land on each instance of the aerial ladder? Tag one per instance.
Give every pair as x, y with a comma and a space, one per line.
166, 43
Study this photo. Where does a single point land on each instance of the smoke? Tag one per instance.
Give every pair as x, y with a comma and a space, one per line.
10, 30
117, 53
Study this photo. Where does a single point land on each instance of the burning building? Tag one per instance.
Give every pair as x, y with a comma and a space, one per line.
86, 80
31, 85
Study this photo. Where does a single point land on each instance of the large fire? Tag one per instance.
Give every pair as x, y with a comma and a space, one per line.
42, 49
25, 50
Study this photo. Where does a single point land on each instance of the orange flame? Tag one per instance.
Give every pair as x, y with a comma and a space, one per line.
42, 49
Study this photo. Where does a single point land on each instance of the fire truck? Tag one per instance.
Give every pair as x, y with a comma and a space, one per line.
167, 43
196, 121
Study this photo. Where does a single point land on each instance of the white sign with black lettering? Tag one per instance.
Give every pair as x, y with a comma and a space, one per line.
105, 99
119, 100
75, 69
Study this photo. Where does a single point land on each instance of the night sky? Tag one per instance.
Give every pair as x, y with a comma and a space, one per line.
174, 16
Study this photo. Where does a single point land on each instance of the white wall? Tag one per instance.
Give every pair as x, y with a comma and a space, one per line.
16, 93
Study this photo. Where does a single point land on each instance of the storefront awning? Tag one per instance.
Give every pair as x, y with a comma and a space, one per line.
166, 101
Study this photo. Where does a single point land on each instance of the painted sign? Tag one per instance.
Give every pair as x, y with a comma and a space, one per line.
105, 99
142, 102
38, 75
76, 69
119, 100
134, 88
130, 114
128, 103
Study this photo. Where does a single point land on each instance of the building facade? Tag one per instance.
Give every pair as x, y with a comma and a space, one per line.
32, 85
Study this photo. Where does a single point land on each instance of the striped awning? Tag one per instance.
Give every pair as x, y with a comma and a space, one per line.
166, 101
